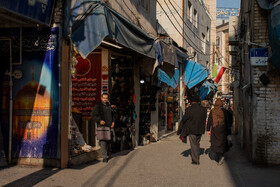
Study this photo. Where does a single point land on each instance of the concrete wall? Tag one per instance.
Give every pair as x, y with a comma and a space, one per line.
175, 17
137, 14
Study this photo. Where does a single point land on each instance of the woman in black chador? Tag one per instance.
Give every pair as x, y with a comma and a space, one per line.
218, 124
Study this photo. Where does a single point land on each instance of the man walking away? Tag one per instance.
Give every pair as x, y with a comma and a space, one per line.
102, 115
194, 121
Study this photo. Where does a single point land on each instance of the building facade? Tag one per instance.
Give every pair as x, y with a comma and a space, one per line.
189, 24
222, 57
259, 84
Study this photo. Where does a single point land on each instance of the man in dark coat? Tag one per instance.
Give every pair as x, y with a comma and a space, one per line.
102, 115
193, 125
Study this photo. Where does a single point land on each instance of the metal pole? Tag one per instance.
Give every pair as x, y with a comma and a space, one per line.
11, 105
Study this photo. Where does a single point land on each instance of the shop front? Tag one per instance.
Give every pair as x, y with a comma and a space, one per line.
120, 52
105, 70
170, 102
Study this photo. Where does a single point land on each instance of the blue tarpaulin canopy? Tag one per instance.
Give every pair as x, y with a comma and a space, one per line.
163, 77
195, 73
89, 22
206, 89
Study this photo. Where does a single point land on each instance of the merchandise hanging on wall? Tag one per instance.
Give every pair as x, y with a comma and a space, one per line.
86, 86
122, 97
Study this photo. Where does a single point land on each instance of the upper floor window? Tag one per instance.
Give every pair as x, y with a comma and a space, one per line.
195, 18
218, 42
203, 43
145, 4
208, 34
189, 11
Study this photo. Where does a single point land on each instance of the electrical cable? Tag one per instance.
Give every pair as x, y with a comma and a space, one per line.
184, 22
196, 48
187, 15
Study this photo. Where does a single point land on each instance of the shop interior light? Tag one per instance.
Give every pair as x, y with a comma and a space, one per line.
142, 81
113, 45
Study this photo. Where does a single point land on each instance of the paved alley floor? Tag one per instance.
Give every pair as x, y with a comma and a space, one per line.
164, 163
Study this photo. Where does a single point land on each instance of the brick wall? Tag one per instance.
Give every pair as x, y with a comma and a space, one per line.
266, 102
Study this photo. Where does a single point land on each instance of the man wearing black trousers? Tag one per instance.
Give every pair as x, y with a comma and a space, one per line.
194, 122
102, 115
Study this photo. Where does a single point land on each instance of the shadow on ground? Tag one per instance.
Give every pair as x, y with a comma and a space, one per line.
188, 152
34, 178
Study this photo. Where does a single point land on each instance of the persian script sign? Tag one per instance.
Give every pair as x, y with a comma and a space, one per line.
224, 13
258, 56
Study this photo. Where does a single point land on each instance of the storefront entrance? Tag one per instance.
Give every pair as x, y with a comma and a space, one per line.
122, 96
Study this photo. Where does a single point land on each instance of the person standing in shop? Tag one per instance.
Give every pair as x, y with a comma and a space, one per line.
194, 122
102, 115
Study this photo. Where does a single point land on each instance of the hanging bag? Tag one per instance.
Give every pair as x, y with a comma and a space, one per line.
103, 133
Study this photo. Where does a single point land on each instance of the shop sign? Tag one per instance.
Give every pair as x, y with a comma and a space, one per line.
37, 10
258, 56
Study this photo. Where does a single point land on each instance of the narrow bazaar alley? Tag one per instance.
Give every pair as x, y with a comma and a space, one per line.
165, 163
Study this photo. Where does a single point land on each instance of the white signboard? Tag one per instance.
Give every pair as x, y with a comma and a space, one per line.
258, 56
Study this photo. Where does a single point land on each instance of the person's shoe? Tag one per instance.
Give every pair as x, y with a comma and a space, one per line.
105, 160
195, 163
221, 161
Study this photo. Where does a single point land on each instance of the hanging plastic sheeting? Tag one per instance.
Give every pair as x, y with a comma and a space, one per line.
166, 57
195, 73
274, 36
274, 29
88, 22
163, 77
207, 89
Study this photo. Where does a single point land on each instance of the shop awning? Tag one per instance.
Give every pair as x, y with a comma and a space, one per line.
37, 11
207, 89
91, 21
163, 77
195, 73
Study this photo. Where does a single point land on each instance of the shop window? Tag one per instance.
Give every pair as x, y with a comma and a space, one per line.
168, 109
145, 109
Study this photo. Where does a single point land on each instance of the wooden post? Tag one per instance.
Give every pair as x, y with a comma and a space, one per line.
65, 104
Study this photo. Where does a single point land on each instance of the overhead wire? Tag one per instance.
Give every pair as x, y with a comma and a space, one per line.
185, 22
196, 47
187, 15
